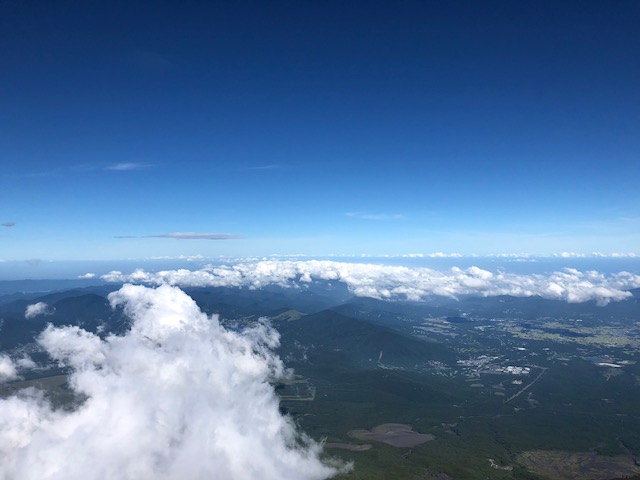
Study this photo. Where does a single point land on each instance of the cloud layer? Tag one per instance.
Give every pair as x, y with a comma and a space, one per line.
389, 282
178, 396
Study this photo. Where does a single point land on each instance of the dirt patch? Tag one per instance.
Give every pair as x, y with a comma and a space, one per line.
569, 465
394, 434
348, 446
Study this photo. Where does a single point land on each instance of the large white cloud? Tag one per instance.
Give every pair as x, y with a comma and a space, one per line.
385, 281
177, 397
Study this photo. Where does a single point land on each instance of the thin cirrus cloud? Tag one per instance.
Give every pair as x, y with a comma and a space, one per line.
379, 217
196, 236
271, 166
176, 396
188, 236
395, 282
127, 166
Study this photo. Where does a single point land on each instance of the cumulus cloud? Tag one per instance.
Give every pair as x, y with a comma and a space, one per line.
9, 224
570, 255
36, 309
196, 236
87, 276
397, 282
26, 362
177, 396
8, 370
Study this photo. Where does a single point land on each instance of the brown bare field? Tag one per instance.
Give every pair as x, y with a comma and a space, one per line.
569, 465
394, 434
348, 446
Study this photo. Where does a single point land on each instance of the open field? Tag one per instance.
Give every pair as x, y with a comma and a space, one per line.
567, 465
394, 434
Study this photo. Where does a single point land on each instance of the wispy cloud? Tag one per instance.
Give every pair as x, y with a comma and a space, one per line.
188, 258
196, 236
9, 224
271, 166
127, 166
596, 255
187, 236
380, 217
425, 255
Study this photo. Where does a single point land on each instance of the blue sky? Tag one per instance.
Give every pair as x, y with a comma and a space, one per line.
318, 128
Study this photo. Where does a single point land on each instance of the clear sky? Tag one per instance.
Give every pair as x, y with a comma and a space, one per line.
318, 127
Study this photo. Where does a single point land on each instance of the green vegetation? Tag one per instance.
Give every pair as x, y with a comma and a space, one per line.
504, 385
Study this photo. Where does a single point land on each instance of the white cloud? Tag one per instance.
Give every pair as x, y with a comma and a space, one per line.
8, 370
127, 166
26, 362
271, 166
177, 396
384, 281
87, 276
36, 309
188, 258
196, 236
444, 255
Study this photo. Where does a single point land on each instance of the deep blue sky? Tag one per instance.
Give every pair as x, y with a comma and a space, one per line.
318, 127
